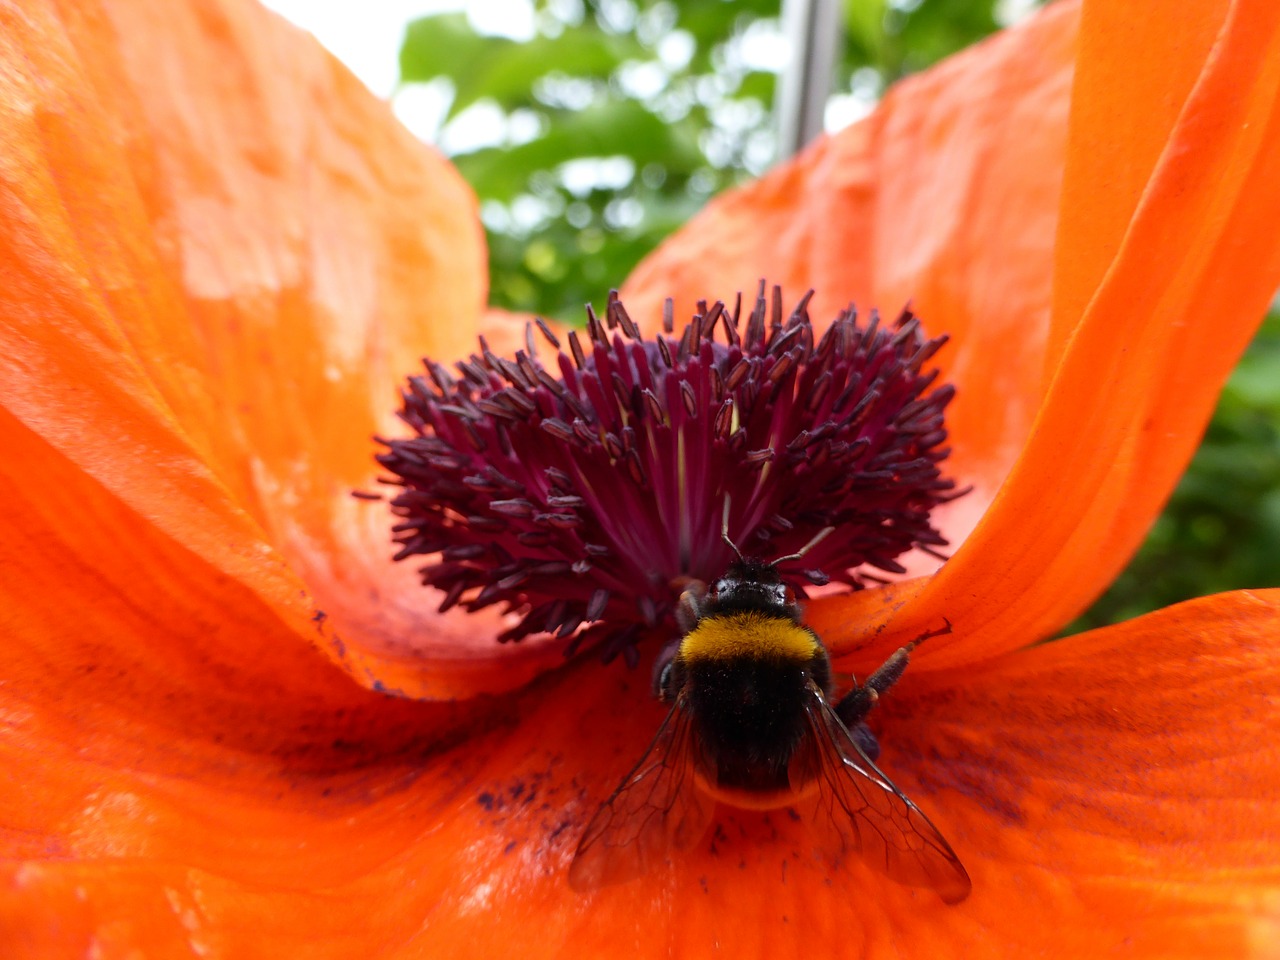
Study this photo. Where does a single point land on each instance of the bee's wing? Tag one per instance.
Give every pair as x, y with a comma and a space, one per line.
858, 809
655, 810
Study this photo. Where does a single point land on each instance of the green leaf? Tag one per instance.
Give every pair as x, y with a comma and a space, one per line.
760, 85
507, 72
864, 28
485, 67
619, 128
438, 46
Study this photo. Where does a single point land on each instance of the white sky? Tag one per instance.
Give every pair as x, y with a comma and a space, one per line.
366, 34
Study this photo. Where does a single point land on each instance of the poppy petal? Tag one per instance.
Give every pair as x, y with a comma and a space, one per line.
946, 196
172, 731
1138, 376
1116, 786
214, 284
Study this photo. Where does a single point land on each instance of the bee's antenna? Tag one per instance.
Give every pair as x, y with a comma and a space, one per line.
818, 538
724, 532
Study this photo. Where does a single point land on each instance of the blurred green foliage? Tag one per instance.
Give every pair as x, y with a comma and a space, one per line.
618, 119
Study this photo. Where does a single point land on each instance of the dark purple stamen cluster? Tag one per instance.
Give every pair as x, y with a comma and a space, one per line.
590, 494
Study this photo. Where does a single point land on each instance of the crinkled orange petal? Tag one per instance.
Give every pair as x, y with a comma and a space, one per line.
947, 197
1110, 791
222, 257
160, 719
1137, 375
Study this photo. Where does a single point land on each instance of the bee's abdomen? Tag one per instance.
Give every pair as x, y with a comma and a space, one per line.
750, 718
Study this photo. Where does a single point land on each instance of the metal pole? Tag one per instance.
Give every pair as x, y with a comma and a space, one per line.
812, 28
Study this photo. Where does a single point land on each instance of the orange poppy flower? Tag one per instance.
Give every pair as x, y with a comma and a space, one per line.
221, 255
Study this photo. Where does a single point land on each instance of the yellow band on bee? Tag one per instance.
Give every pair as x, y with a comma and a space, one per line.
748, 634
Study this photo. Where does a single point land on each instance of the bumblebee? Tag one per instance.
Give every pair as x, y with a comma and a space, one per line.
752, 725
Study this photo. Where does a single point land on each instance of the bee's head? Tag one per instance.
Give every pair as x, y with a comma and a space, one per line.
755, 584
752, 583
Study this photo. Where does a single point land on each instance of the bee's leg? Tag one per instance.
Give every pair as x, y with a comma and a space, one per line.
662, 667
689, 609
857, 703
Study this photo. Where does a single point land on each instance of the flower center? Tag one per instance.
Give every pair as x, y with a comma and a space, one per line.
589, 495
